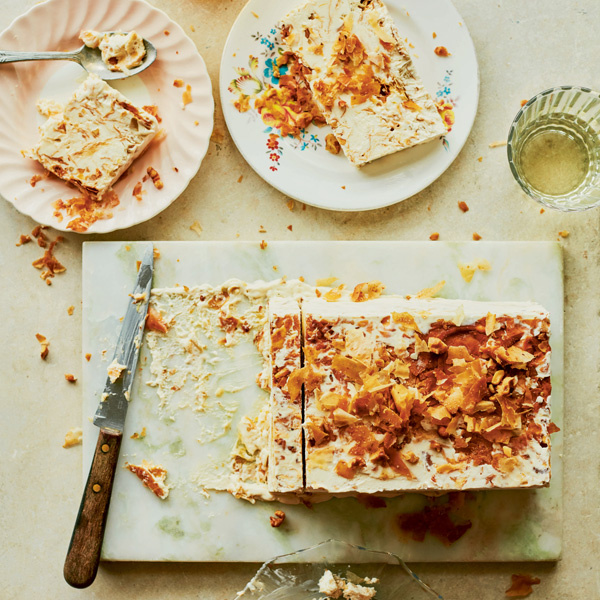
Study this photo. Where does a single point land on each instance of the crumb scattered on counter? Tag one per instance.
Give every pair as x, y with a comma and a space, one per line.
152, 476
196, 227
524, 102
261, 229
254, 14
542, 211
156, 253
140, 435
278, 519
73, 437
563, 234
498, 144
434, 35
463, 206
434, 236
476, 237
88, 357
263, 245
467, 270
290, 227
70, 378
70, 310
441, 51
480, 159
240, 178
23, 239
44, 343
290, 205
520, 586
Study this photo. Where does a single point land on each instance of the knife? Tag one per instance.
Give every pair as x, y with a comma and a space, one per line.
83, 556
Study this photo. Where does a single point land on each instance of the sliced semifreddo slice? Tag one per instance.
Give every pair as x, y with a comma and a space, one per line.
285, 439
426, 395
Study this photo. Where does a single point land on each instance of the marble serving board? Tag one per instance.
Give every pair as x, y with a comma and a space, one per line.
189, 526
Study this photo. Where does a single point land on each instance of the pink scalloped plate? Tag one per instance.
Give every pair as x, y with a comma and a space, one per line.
55, 25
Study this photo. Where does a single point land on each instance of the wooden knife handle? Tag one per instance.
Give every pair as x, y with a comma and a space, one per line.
83, 556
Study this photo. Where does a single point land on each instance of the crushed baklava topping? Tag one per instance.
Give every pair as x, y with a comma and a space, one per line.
278, 519
85, 211
152, 476
73, 437
520, 586
44, 343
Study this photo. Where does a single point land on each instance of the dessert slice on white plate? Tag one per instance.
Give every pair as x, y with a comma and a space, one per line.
94, 138
362, 77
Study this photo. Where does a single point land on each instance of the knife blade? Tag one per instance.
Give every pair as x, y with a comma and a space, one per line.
83, 555
112, 408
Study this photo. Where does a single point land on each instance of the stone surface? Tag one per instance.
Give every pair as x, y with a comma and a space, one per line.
523, 47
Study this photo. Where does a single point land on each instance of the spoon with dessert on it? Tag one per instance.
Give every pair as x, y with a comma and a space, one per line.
109, 55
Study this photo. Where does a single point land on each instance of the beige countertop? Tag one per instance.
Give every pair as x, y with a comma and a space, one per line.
523, 48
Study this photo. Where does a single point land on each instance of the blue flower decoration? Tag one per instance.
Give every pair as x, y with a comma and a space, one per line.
269, 72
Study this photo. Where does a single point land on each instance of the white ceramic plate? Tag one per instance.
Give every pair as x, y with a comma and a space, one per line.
302, 168
55, 25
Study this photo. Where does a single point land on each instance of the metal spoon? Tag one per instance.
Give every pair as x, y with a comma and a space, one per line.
89, 58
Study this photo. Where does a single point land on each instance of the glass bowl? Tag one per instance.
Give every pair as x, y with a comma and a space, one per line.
565, 121
295, 576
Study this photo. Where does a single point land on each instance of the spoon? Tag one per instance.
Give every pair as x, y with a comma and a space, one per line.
89, 58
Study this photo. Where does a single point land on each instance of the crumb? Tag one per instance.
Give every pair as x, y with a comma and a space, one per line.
140, 435
156, 253
44, 343
254, 14
290, 228
156, 180
152, 476
476, 237
195, 226
331, 144
434, 236
178, 83
521, 585
24, 239
343, 187
563, 233
290, 205
542, 211
301, 278
261, 229
196, 123
176, 169
73, 437
88, 357
137, 191
240, 178
192, 28
524, 102
498, 144
70, 310
463, 206
480, 158
275, 267
166, 32
70, 378
304, 207
138, 264
263, 245
186, 98
35, 179
442, 51
278, 519
467, 270
434, 35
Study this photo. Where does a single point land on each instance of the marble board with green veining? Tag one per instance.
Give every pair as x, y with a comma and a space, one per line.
505, 525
